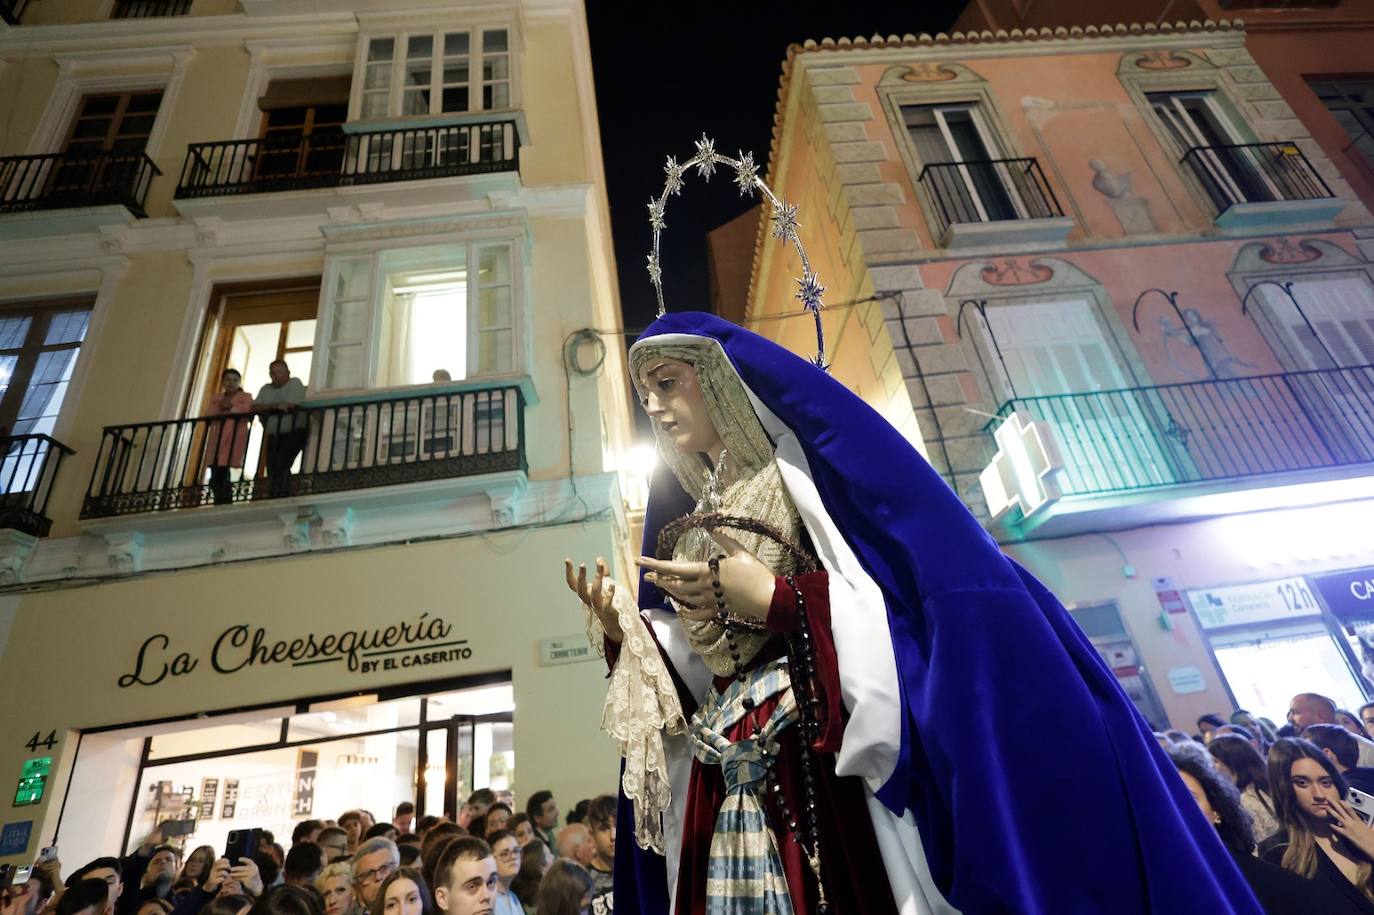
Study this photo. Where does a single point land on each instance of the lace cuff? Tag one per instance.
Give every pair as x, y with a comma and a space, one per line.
642, 706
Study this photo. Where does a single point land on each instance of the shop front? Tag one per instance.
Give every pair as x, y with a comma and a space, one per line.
263, 694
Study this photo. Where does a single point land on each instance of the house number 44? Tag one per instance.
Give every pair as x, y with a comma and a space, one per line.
46, 743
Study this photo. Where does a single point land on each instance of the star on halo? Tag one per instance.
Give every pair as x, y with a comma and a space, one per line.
655, 272
810, 290
674, 173
746, 173
784, 221
656, 215
706, 156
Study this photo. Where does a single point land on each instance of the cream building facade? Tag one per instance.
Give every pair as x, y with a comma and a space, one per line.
404, 201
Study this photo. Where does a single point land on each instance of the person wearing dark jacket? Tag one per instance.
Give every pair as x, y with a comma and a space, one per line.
1278, 891
1343, 750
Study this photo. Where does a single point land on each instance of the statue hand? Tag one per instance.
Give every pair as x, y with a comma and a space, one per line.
746, 584
599, 598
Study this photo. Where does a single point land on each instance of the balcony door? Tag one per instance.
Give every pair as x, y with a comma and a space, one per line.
38, 350
1064, 373
961, 164
256, 329
105, 140
302, 129
1211, 147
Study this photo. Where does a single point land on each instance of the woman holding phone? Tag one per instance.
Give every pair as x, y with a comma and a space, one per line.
1327, 842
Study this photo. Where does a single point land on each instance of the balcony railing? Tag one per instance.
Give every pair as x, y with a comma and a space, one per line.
144, 9
1255, 173
218, 460
27, 470
1163, 435
60, 180
334, 159
11, 10
989, 190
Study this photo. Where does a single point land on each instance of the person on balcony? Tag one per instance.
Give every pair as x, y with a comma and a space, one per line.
227, 442
285, 434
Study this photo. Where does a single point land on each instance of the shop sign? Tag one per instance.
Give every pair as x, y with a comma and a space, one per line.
1185, 680
566, 649
410, 643
14, 837
303, 795
1237, 605
231, 799
1348, 593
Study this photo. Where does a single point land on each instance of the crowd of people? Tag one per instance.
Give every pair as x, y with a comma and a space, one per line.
488, 860
1293, 803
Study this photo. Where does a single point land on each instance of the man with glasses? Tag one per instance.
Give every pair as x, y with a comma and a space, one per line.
373, 862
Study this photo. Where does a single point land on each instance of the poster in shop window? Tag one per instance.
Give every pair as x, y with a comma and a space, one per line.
231, 799
209, 793
303, 794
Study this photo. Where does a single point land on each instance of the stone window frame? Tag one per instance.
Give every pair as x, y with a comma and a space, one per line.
1069, 281
939, 84
1197, 75
1249, 269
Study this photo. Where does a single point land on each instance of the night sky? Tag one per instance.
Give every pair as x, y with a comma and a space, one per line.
713, 67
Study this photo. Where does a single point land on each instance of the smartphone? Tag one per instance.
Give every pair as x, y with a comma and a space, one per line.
47, 853
172, 828
243, 843
21, 875
1362, 804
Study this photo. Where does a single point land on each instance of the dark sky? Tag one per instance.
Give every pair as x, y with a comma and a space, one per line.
666, 73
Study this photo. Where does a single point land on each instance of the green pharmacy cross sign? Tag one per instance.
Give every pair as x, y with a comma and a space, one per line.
33, 781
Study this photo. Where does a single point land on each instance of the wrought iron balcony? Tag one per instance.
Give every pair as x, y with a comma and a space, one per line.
337, 158
11, 10
988, 190
161, 466
60, 180
27, 470
1255, 173
1202, 431
145, 9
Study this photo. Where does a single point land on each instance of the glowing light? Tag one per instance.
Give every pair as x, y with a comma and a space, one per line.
1022, 473
1317, 533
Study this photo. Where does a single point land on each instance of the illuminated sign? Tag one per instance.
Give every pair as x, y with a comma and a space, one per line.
33, 781
1237, 605
1022, 473
1348, 594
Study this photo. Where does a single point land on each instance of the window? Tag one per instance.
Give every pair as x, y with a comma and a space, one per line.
1336, 321
1351, 103
38, 349
121, 121
1264, 668
419, 75
961, 168
398, 317
1212, 149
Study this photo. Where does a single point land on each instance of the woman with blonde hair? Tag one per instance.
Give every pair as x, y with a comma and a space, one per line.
1327, 842
335, 884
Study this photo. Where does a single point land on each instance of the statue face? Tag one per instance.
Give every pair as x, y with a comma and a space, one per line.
671, 395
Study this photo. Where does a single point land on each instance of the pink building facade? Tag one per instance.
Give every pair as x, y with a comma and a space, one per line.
1123, 300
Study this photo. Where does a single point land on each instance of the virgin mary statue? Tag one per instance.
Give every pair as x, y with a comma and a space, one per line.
836, 694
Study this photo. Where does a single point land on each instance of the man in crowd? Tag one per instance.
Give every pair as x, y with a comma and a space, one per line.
1343, 749
405, 816
575, 843
303, 864
601, 821
373, 862
465, 878
334, 842
106, 869
1308, 709
543, 813
1366, 714
477, 806
306, 831
351, 822
285, 434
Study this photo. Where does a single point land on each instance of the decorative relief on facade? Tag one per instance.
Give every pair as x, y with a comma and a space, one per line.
1132, 211
1162, 60
1013, 273
1284, 251
928, 72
